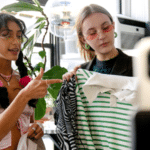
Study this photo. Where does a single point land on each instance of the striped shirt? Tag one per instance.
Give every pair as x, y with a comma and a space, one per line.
102, 126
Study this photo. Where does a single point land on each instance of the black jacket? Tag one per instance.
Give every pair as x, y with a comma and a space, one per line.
123, 65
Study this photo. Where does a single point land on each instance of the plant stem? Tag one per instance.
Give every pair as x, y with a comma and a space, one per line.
30, 66
47, 26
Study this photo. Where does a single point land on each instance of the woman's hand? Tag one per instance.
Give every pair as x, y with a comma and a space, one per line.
35, 131
37, 88
68, 75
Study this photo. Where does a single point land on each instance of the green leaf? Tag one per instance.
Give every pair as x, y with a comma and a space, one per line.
54, 90
55, 73
40, 19
36, 35
42, 54
42, 25
40, 108
37, 68
36, 2
40, 64
29, 40
21, 6
29, 47
29, 72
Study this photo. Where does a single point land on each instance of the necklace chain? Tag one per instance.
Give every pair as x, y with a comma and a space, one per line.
7, 78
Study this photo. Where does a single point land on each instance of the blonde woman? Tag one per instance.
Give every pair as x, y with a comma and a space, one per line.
100, 124
96, 34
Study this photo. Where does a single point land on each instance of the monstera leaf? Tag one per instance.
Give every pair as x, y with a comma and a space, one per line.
55, 73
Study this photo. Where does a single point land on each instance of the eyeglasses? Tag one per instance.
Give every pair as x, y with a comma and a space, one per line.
6, 35
11, 39
94, 35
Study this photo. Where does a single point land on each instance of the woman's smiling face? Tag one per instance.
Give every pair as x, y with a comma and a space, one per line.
10, 41
98, 32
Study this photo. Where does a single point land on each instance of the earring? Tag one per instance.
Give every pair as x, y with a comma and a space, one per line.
87, 46
115, 34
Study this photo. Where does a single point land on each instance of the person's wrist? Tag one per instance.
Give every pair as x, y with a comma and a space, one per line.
25, 94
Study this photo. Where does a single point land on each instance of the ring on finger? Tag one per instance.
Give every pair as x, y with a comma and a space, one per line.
34, 128
41, 126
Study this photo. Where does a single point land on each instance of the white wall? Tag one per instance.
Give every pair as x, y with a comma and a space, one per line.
137, 9
140, 9
110, 5
6, 2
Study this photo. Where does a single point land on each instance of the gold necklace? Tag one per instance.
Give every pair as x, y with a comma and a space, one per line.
7, 78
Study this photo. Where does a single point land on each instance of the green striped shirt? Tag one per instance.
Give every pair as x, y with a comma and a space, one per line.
101, 126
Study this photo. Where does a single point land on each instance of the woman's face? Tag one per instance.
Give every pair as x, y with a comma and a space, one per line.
10, 41
98, 32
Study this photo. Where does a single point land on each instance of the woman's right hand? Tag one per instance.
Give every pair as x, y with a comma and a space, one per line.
68, 75
37, 88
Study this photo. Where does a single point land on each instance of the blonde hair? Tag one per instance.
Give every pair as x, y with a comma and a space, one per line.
88, 54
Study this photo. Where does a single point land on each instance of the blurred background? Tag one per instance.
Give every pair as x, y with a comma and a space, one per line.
132, 22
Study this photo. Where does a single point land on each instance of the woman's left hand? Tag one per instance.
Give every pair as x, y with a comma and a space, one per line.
35, 131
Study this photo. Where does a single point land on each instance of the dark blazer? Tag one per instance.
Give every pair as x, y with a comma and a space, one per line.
123, 65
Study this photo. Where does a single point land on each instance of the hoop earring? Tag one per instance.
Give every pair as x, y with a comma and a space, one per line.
87, 46
115, 34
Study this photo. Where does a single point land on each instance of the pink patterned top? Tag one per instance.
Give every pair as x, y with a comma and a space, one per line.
23, 122
23, 125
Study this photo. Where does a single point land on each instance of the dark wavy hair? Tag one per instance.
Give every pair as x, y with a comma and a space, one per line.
4, 100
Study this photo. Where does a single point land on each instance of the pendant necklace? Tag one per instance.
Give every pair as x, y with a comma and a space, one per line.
7, 78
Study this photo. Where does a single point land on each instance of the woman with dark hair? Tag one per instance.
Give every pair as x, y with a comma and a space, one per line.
17, 98
95, 32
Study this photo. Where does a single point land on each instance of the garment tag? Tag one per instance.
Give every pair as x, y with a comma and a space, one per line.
32, 145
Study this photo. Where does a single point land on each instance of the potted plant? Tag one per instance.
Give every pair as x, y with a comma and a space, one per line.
54, 73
